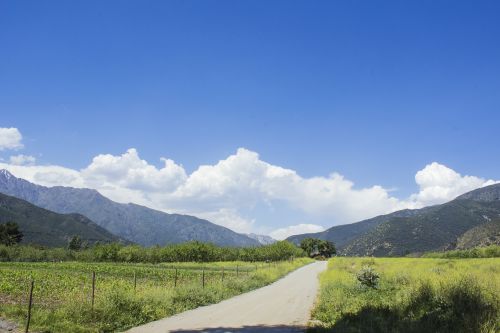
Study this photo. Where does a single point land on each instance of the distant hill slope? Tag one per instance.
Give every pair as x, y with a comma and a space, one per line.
43, 227
130, 221
341, 235
483, 235
410, 231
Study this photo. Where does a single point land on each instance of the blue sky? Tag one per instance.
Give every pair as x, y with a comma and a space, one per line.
372, 90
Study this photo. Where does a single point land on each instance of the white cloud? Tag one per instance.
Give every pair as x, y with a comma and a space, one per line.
241, 192
10, 138
243, 180
229, 218
439, 184
283, 233
47, 175
22, 160
129, 171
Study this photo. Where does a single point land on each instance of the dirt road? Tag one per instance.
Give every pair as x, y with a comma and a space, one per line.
281, 307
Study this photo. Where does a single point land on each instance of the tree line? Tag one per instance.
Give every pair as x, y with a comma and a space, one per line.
78, 250
184, 252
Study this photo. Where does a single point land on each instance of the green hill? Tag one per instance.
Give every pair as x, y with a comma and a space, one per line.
483, 235
43, 227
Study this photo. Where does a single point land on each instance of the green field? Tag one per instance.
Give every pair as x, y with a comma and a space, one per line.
126, 295
413, 295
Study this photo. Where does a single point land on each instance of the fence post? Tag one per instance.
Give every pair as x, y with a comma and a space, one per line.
203, 277
30, 303
93, 289
135, 281
222, 274
237, 270
175, 279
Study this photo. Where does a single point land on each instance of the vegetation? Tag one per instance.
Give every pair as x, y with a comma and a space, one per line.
10, 234
492, 251
317, 247
75, 243
368, 277
126, 295
185, 252
412, 295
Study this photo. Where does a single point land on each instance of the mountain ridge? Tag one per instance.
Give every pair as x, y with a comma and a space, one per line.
413, 231
134, 222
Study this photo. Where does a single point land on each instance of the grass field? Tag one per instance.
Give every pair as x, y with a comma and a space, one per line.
126, 295
412, 295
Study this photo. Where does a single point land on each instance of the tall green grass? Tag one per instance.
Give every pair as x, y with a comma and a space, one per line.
413, 295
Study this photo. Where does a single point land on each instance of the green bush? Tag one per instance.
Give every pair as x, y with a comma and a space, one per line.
367, 277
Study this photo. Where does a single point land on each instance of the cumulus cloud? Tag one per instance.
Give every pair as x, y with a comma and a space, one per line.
46, 175
243, 180
10, 138
22, 160
228, 217
283, 233
241, 191
130, 171
438, 184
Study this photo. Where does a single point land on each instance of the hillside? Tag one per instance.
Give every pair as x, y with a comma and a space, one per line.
341, 235
483, 235
130, 221
413, 231
43, 227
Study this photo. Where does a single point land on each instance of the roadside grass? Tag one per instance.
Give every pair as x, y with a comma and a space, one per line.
62, 294
413, 295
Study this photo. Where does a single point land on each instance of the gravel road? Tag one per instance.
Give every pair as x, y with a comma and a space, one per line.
281, 307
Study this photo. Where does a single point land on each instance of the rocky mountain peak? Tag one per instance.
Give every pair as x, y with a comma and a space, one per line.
6, 175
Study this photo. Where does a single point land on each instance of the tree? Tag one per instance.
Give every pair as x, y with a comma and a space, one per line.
318, 247
309, 246
326, 248
10, 234
75, 243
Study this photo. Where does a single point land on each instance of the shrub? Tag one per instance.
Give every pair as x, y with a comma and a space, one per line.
368, 277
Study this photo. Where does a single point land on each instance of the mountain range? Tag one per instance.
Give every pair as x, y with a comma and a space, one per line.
51, 215
414, 231
132, 222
